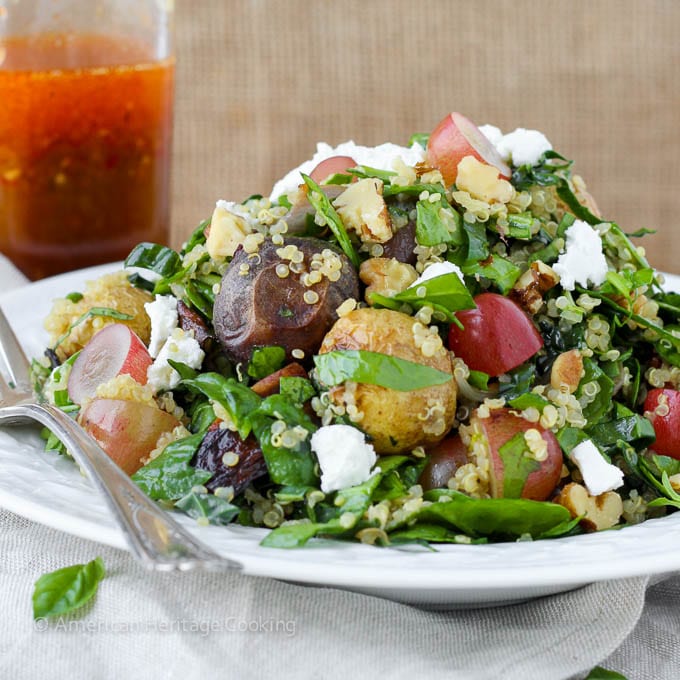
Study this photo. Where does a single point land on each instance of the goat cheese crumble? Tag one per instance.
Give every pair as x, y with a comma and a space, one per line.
520, 147
599, 476
162, 313
181, 347
438, 269
381, 157
582, 260
344, 456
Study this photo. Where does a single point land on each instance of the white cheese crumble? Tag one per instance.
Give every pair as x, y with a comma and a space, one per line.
523, 147
438, 269
520, 147
492, 133
181, 347
582, 259
164, 319
344, 456
598, 475
381, 157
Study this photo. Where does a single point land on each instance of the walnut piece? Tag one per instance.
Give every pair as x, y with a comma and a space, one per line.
567, 370
386, 276
362, 208
529, 288
597, 512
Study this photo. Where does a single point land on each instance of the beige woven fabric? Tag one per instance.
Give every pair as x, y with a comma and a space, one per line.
260, 81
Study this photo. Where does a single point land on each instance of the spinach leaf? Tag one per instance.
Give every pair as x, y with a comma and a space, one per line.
206, 507
498, 517
170, 476
373, 368
437, 223
521, 381
287, 466
477, 242
238, 400
596, 409
569, 438
349, 506
366, 171
296, 389
320, 202
528, 400
517, 466
161, 260
634, 429
266, 360
497, 269
67, 589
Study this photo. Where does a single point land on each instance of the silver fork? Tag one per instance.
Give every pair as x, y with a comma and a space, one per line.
155, 539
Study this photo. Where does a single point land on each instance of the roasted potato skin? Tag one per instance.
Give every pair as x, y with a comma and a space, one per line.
260, 308
396, 421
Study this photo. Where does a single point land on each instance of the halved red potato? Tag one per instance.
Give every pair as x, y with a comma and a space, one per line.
114, 350
456, 137
127, 430
335, 165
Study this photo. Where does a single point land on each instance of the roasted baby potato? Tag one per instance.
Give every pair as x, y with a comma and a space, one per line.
396, 421
282, 295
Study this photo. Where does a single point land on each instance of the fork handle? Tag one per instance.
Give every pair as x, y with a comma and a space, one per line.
154, 538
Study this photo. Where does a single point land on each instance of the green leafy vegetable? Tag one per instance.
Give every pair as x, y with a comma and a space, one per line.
437, 223
373, 368
296, 389
265, 361
446, 294
322, 205
497, 269
493, 517
170, 476
207, 507
517, 465
93, 311
67, 589
161, 260
599, 673
238, 400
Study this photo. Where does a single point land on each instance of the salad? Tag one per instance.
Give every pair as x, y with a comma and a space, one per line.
438, 343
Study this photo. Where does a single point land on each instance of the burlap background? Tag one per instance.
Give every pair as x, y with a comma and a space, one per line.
260, 81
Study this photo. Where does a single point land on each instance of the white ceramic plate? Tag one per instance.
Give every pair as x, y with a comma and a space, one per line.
49, 489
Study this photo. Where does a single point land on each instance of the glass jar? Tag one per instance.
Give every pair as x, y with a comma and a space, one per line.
86, 100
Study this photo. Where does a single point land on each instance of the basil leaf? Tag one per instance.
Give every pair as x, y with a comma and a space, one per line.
501, 517
479, 379
431, 533
445, 293
320, 202
437, 223
170, 476
67, 589
516, 465
206, 507
238, 400
266, 360
373, 368
156, 258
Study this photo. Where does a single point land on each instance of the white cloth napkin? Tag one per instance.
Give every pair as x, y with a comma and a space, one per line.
198, 626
